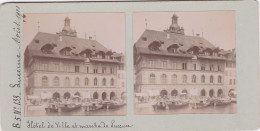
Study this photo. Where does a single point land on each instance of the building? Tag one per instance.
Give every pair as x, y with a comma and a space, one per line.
170, 63
62, 65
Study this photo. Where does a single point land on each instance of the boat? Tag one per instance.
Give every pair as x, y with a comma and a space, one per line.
223, 102
52, 107
92, 106
112, 104
163, 105
201, 105
69, 107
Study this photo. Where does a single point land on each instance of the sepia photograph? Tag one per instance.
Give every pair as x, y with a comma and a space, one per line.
184, 62
74, 64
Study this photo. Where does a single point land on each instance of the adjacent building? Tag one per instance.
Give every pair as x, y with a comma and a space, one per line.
62, 65
171, 63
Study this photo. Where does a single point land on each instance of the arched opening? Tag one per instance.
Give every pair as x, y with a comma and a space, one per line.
203, 92
163, 93
77, 94
112, 95
211, 93
95, 95
220, 93
184, 91
56, 95
232, 93
66, 95
104, 95
174, 93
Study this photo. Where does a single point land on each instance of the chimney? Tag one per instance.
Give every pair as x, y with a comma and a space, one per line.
90, 37
60, 37
198, 35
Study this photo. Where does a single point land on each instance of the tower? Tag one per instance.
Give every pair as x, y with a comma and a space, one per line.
67, 31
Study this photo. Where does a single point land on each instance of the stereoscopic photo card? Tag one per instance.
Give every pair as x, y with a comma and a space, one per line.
171, 65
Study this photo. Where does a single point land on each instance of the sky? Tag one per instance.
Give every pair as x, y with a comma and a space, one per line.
109, 28
218, 27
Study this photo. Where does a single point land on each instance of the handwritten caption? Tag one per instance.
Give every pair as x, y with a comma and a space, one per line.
101, 124
16, 97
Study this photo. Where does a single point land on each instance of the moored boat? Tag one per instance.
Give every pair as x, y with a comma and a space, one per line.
112, 104
52, 108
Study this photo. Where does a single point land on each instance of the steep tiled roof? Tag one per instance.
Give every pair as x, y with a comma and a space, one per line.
185, 42
76, 44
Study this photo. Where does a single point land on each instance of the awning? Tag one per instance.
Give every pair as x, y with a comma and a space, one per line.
140, 94
154, 93
46, 95
86, 95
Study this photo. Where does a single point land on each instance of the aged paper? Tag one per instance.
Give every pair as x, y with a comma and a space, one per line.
169, 65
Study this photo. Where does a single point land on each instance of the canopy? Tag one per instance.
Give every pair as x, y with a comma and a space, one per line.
154, 93
86, 95
46, 95
140, 94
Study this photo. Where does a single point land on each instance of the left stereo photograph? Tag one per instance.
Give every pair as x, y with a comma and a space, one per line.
74, 64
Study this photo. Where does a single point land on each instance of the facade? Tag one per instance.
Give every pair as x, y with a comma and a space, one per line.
169, 63
63, 66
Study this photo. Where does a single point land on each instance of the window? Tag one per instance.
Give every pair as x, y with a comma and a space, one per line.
219, 79
184, 66
164, 64
211, 67
56, 81
95, 70
111, 70
234, 81
173, 65
194, 66
104, 70
104, 82
95, 82
87, 69
76, 68
86, 81
207, 53
44, 81
203, 67
184, 79
152, 78
219, 68
202, 79
56, 66
193, 79
211, 79
163, 79
112, 82
230, 82
174, 78
77, 81
67, 82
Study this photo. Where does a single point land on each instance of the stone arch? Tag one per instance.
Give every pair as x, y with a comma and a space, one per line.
112, 95
66, 95
220, 92
211, 93
174, 93
56, 95
203, 92
95, 95
77, 94
163, 93
104, 95
184, 91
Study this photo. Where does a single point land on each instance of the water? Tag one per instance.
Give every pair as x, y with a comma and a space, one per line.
79, 112
148, 109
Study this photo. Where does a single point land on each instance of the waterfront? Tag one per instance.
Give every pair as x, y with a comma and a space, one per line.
79, 112
148, 109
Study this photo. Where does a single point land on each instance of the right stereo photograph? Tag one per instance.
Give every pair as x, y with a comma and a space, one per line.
184, 62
